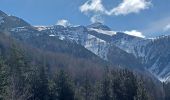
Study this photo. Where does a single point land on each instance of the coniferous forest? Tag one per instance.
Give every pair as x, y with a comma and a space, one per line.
24, 78
21, 80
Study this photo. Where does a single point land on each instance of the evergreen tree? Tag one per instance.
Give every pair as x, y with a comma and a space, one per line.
16, 71
124, 85
141, 92
105, 93
43, 85
117, 87
4, 78
87, 89
39, 84
64, 87
130, 84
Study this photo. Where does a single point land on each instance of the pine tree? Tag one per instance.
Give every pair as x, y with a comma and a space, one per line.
124, 85
4, 77
16, 67
141, 92
87, 89
39, 83
43, 85
105, 93
130, 84
117, 87
64, 87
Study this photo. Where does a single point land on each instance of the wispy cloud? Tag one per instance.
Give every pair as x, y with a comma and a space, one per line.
96, 7
158, 26
167, 27
63, 22
97, 18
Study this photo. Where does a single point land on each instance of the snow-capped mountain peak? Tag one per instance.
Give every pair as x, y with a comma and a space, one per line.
99, 25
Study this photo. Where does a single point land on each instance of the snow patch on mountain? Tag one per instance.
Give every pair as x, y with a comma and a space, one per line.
97, 46
111, 33
166, 80
52, 35
61, 37
154, 53
154, 67
41, 28
19, 29
164, 76
132, 45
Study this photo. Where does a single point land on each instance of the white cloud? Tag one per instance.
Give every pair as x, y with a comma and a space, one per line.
92, 6
134, 33
167, 27
95, 7
63, 22
97, 18
130, 6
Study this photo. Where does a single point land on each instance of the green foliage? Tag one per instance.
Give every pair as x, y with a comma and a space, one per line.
124, 85
141, 92
4, 77
14, 75
63, 87
16, 71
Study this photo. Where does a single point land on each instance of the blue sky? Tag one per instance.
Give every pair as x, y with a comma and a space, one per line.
152, 18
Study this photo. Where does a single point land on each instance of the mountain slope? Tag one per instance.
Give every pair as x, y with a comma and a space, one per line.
8, 22
49, 39
153, 53
74, 63
118, 48
159, 57
92, 41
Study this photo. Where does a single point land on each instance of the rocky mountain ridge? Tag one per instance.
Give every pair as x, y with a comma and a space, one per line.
115, 47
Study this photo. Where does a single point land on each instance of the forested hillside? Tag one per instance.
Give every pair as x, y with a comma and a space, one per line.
29, 73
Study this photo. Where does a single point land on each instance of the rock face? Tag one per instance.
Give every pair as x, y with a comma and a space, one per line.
117, 48
8, 22
153, 53
93, 41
